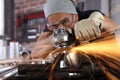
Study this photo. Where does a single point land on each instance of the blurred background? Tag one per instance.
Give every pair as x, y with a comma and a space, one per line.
22, 21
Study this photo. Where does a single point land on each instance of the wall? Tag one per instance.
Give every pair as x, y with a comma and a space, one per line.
105, 7
115, 11
92, 4
27, 6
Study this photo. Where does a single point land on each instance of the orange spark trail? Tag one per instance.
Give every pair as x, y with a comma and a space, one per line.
107, 51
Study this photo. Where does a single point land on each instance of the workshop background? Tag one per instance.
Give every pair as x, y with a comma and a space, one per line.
25, 20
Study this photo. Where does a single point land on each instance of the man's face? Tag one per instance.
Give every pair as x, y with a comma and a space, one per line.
58, 20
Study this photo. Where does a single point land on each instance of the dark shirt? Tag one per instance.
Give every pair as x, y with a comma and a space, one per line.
85, 14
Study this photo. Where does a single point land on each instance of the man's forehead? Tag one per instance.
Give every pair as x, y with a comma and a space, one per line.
57, 17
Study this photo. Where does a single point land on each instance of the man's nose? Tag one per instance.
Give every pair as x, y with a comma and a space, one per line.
61, 26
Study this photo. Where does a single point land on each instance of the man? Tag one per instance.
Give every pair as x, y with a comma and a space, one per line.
87, 25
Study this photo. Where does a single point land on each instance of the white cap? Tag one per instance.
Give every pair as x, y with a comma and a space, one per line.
59, 6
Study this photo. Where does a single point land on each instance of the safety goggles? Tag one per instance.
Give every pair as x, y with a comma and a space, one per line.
63, 22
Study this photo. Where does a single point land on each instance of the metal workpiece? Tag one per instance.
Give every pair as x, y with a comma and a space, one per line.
37, 69
7, 71
62, 38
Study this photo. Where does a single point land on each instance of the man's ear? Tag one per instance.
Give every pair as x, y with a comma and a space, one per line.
76, 18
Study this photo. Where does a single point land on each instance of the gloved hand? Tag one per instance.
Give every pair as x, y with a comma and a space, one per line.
89, 29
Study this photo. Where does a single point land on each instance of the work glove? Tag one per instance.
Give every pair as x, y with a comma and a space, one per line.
90, 28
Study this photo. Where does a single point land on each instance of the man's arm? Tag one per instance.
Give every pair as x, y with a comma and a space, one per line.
109, 26
43, 46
